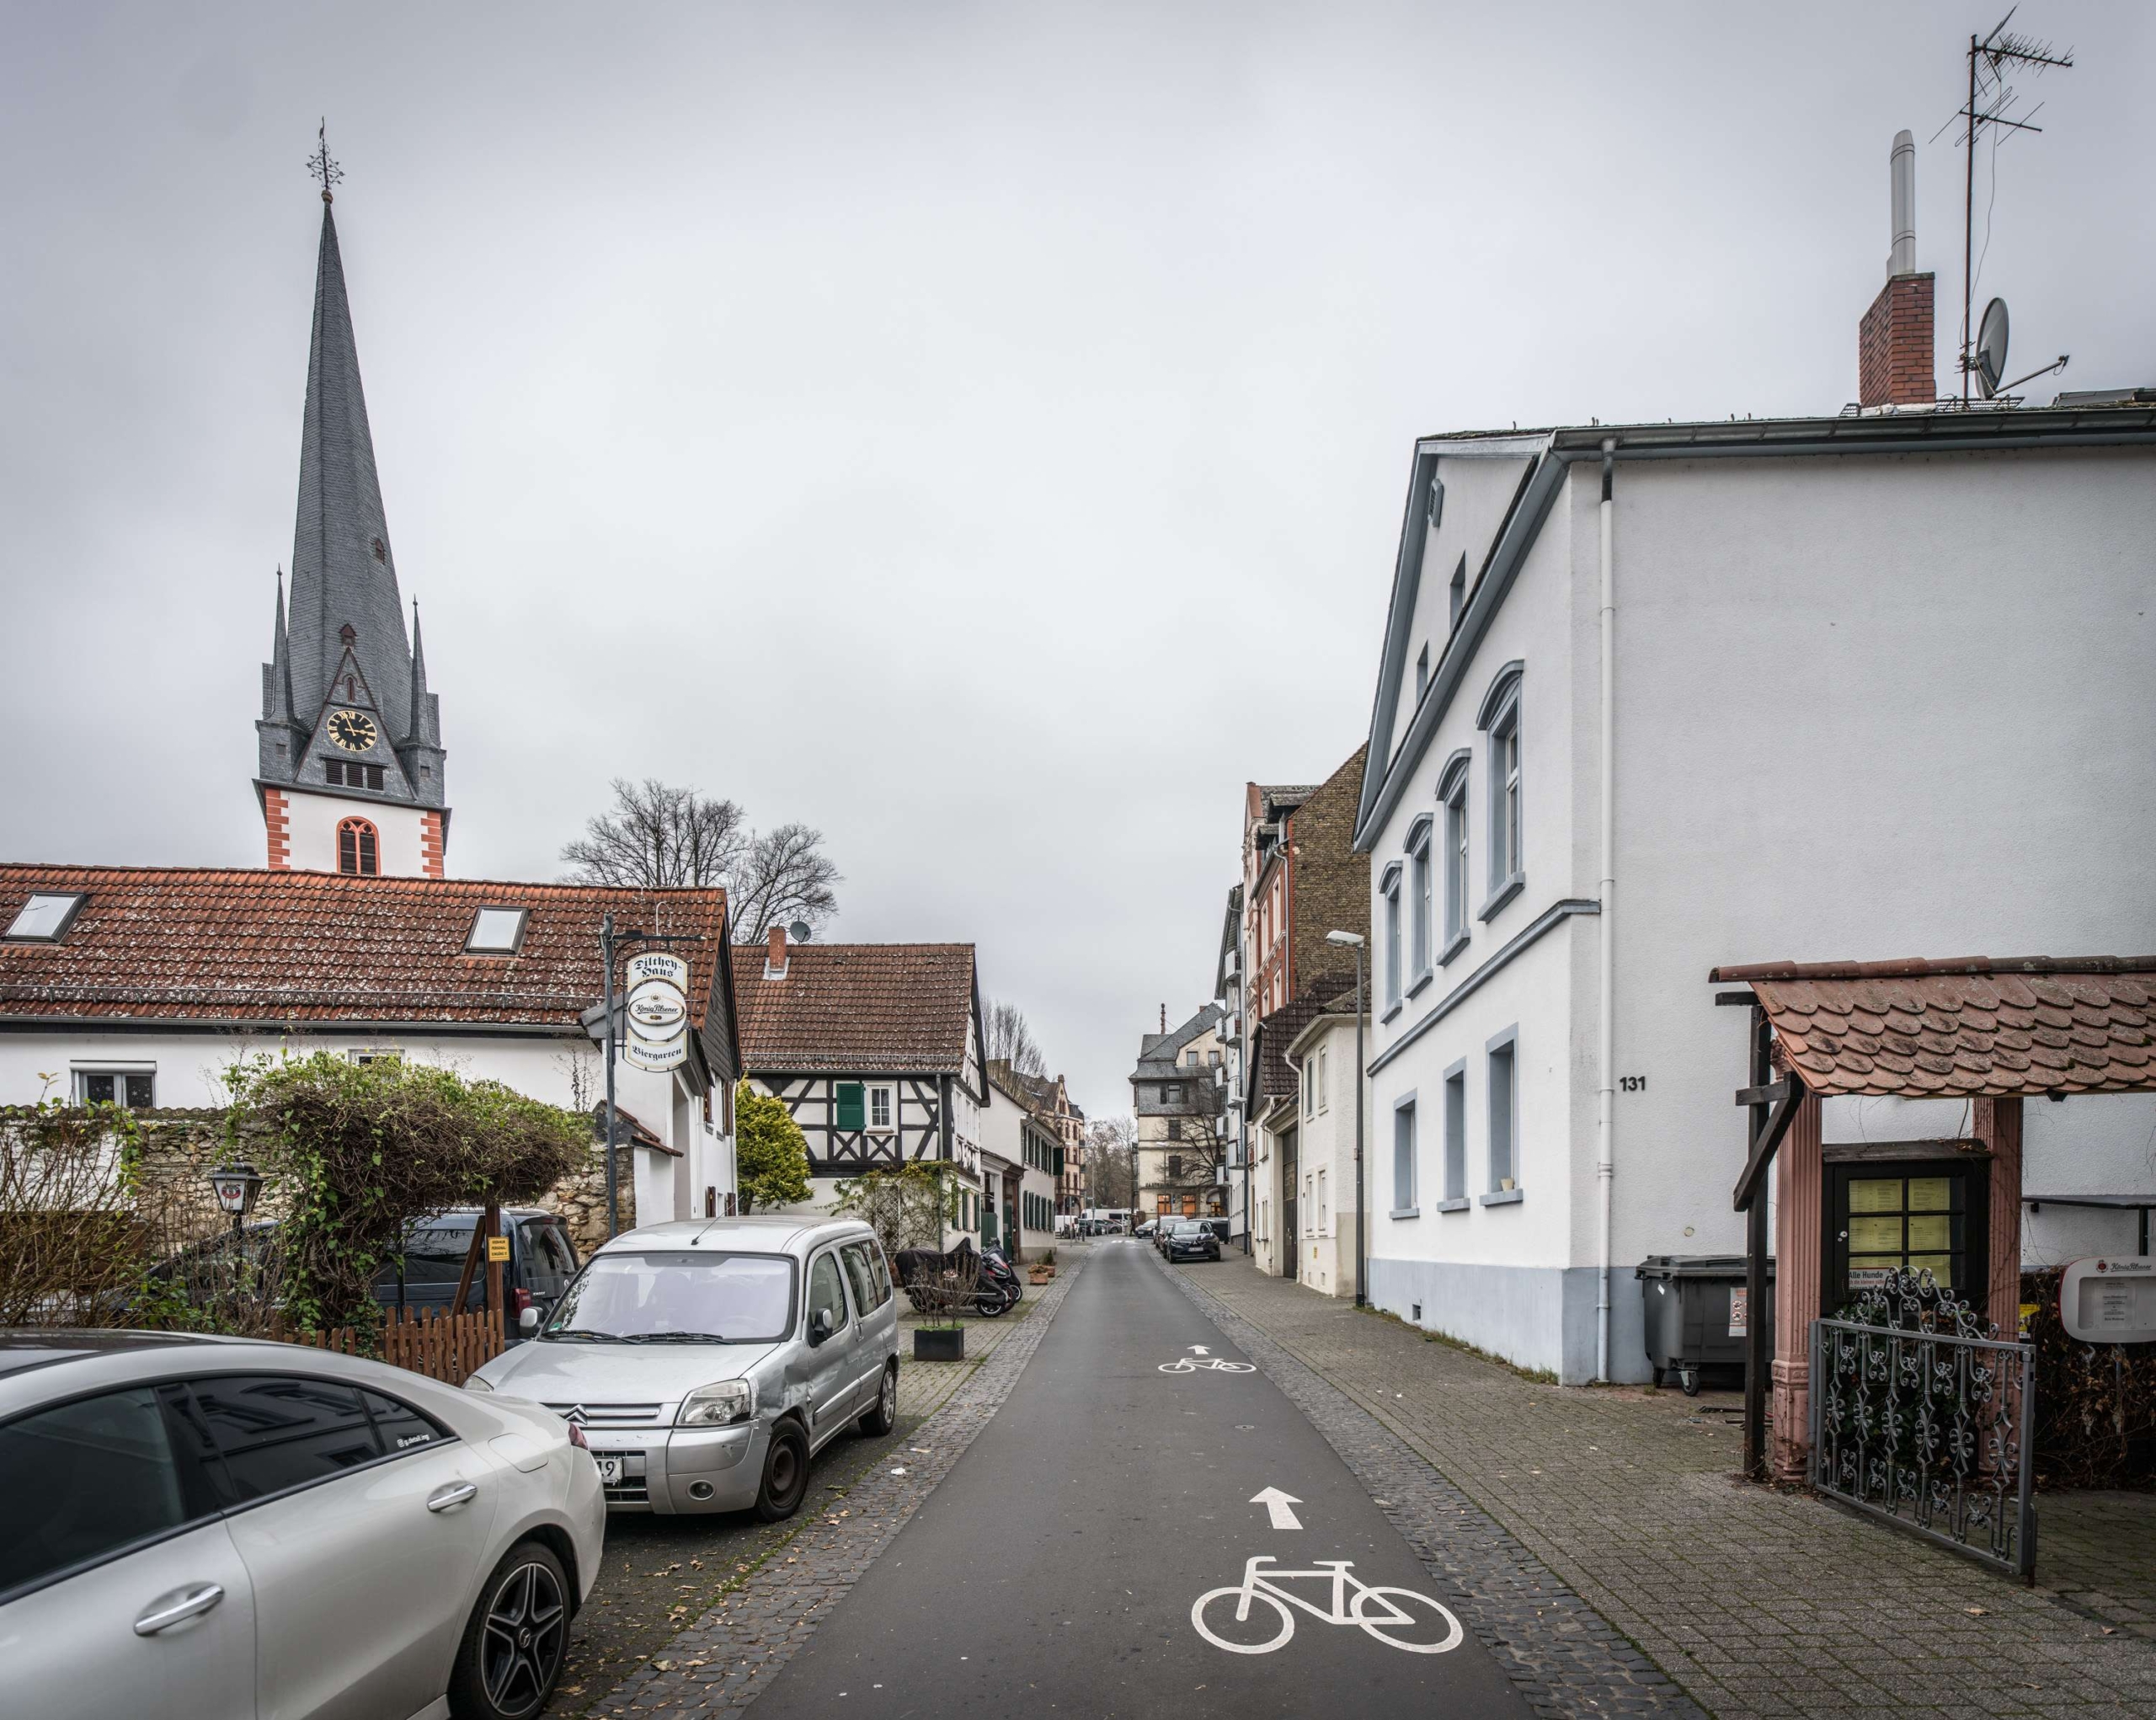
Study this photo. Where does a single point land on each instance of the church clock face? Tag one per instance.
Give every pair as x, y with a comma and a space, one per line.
353, 730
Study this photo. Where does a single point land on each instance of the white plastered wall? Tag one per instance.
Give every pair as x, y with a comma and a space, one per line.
312, 821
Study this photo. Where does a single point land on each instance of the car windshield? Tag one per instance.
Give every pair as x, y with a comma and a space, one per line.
1190, 1229
677, 1298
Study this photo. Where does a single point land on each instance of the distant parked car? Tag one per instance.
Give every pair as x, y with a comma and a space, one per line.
1192, 1239
710, 1360
214, 1526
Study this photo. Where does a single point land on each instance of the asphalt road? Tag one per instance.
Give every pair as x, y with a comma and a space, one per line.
1057, 1565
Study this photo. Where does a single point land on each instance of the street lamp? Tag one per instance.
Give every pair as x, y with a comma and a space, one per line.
235, 1185
1355, 939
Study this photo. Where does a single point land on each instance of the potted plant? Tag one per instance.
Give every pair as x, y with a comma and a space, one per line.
942, 1295
1043, 1269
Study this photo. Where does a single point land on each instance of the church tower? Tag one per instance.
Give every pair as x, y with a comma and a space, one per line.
350, 777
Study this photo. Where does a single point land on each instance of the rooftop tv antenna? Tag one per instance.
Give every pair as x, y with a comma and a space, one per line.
1992, 102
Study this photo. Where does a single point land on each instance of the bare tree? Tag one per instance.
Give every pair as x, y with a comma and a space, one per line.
1111, 1162
783, 875
659, 837
1011, 1040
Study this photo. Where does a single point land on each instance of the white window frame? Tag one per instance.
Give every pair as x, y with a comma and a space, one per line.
1324, 1102
45, 916
1455, 1089
1453, 820
81, 1075
1420, 928
871, 1091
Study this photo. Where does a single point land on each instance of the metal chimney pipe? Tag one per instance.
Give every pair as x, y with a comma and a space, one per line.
1903, 258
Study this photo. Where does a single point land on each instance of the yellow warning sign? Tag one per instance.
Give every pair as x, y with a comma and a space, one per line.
498, 1247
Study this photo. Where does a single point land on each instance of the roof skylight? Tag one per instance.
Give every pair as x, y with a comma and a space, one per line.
45, 916
496, 932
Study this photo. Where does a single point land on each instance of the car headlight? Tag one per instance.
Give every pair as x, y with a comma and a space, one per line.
473, 1383
718, 1406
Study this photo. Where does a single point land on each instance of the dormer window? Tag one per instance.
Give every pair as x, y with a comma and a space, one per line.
45, 916
496, 932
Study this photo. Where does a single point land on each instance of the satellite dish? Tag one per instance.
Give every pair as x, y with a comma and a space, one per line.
798, 932
1991, 348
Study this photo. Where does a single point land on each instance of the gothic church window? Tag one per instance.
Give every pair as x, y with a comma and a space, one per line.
358, 849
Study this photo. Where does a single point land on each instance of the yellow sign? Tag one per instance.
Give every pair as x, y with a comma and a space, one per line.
498, 1247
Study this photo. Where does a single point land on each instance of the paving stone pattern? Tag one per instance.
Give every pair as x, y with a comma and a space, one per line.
722, 1663
1758, 1601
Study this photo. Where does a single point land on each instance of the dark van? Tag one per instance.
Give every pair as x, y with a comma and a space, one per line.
542, 1261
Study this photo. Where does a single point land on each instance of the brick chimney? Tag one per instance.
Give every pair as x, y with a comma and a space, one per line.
1893, 342
775, 955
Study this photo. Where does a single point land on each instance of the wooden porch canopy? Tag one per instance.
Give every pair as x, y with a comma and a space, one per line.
1994, 1030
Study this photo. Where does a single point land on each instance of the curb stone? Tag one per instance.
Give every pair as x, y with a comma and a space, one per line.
1562, 1655
723, 1661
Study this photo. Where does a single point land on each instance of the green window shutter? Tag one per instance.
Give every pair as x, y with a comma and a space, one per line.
852, 1106
1058, 1162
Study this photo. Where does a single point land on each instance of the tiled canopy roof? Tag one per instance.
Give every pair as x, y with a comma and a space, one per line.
857, 1008
1963, 1029
195, 945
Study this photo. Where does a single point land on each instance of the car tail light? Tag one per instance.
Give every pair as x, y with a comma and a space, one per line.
577, 1438
519, 1300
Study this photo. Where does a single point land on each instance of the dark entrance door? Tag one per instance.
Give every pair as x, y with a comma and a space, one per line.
1291, 1180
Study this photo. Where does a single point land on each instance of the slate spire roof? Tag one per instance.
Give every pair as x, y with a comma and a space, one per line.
343, 571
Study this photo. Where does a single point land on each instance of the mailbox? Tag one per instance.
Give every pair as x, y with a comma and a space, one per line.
2110, 1299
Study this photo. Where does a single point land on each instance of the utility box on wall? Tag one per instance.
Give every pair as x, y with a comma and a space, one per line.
2110, 1299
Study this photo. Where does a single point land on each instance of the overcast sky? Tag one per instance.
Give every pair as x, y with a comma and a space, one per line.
979, 431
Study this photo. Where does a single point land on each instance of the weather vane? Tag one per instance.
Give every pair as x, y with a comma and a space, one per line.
322, 165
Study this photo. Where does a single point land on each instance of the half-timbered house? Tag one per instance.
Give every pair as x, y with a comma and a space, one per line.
876, 1050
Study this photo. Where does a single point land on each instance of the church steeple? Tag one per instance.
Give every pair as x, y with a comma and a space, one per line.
347, 715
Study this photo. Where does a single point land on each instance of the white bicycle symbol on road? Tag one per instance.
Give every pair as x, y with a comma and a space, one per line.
1381, 1612
1187, 1366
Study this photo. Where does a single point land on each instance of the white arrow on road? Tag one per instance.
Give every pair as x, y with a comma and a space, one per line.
1199, 1349
1277, 1504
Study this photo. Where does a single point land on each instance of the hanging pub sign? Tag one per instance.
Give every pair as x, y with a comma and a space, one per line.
2109, 1299
657, 1011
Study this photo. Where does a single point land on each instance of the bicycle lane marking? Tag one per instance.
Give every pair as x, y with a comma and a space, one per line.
1427, 1626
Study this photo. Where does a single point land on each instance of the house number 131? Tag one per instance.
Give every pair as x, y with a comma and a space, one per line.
1632, 1083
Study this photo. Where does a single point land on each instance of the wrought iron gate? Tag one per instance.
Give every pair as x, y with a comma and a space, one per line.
1920, 1418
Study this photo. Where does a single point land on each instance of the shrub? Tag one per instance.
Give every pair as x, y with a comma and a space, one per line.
771, 1154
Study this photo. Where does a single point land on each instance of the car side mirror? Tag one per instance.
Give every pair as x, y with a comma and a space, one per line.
820, 1325
527, 1323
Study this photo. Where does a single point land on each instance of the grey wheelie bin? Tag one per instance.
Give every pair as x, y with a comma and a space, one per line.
1695, 1314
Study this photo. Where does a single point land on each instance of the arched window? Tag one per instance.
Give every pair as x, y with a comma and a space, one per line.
358, 849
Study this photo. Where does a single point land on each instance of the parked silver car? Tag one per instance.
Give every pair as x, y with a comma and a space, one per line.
207, 1528
708, 1361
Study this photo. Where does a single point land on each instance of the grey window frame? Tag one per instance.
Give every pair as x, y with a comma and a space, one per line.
73, 900
1503, 1104
1404, 1108
1454, 1088
1421, 927
120, 1074
515, 944
1505, 793
1452, 799
1388, 887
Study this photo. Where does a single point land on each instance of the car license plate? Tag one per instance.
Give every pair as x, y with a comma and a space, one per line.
610, 1466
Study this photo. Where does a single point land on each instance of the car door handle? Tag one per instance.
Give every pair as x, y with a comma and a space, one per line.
175, 1607
448, 1498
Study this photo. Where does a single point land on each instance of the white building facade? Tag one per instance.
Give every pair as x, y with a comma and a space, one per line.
1657, 698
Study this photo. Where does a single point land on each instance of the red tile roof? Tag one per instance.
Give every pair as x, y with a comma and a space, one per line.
1963, 1029
857, 1008
183, 943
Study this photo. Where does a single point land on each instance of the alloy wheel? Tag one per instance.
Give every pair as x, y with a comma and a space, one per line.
525, 1636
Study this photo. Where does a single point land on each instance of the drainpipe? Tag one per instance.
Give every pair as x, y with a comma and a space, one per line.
1606, 1094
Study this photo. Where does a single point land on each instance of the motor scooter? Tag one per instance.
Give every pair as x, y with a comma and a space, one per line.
995, 1268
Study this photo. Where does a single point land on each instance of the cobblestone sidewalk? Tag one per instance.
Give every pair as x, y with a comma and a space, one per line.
720, 1662
1757, 1602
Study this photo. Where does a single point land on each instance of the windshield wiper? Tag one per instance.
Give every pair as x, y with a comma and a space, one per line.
675, 1337
584, 1332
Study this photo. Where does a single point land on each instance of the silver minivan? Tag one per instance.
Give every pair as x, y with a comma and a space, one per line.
708, 1361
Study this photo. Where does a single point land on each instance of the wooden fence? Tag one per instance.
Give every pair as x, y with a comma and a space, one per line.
447, 1347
